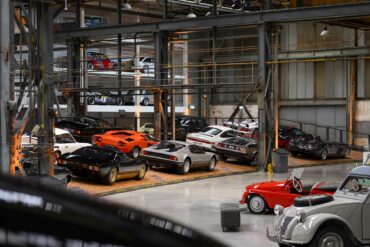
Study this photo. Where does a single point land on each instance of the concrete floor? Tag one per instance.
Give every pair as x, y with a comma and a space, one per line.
197, 203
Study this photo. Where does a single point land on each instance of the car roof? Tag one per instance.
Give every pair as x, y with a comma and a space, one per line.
360, 171
58, 131
177, 142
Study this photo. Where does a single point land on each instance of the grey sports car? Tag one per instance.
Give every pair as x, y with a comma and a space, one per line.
180, 155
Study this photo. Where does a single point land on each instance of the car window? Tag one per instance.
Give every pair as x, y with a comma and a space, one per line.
201, 123
151, 126
211, 131
228, 133
356, 185
64, 138
199, 149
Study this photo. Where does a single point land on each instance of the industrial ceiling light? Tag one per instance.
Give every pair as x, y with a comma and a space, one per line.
126, 6
191, 14
324, 32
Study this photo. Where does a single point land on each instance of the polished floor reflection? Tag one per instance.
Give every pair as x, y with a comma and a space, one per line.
197, 203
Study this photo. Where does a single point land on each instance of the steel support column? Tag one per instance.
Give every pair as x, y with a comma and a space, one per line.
6, 13
73, 75
351, 100
119, 43
45, 103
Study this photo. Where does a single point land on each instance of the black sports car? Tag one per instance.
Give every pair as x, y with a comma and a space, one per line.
83, 127
188, 124
110, 98
318, 148
104, 164
238, 148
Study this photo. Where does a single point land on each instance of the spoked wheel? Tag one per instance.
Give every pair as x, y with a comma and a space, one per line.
145, 102
331, 236
111, 177
184, 169
256, 204
324, 154
212, 164
142, 172
91, 101
119, 101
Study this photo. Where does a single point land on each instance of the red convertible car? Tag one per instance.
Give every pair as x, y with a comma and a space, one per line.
266, 195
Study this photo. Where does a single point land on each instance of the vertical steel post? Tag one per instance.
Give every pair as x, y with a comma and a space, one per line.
173, 100
119, 44
351, 100
6, 11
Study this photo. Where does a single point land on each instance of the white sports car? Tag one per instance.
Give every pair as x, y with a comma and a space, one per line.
247, 128
64, 142
209, 136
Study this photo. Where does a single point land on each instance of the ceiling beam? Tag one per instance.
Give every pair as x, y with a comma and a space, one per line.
246, 18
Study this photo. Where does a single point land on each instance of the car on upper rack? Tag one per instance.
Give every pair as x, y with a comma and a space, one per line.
209, 136
84, 127
146, 64
104, 164
127, 141
239, 148
63, 142
108, 98
263, 196
99, 61
179, 155
317, 148
341, 220
247, 128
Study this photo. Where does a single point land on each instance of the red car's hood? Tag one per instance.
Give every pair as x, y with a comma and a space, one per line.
271, 185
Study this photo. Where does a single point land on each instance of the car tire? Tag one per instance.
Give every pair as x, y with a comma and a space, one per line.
146, 69
145, 102
256, 204
331, 236
212, 164
135, 152
323, 154
120, 101
185, 167
90, 66
111, 177
305, 201
91, 101
142, 171
346, 153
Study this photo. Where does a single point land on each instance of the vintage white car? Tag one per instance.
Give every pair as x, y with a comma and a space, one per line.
147, 128
342, 220
64, 142
209, 136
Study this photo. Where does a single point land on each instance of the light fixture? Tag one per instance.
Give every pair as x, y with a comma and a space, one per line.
324, 32
191, 106
191, 14
65, 5
241, 107
126, 6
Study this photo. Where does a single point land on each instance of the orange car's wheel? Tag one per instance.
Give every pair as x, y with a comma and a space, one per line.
135, 152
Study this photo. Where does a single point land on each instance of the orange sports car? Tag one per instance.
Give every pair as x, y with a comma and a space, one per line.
127, 141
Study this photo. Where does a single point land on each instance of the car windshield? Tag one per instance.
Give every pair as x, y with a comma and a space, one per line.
210, 131
64, 138
172, 147
296, 173
355, 186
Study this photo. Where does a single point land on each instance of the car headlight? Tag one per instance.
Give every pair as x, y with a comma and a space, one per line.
309, 146
278, 209
301, 215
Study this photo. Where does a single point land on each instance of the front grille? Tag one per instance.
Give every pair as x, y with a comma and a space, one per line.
284, 224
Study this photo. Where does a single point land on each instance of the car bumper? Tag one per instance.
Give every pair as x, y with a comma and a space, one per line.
230, 153
155, 161
278, 239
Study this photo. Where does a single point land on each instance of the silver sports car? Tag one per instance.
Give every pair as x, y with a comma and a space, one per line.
180, 155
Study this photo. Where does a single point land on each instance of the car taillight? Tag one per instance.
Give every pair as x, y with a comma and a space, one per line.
171, 157
94, 168
97, 139
143, 152
221, 145
244, 129
120, 144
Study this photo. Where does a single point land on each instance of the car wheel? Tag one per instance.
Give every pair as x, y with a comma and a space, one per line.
120, 101
135, 152
256, 204
90, 100
146, 69
346, 153
90, 66
111, 176
184, 169
212, 164
323, 154
333, 236
142, 172
223, 157
145, 102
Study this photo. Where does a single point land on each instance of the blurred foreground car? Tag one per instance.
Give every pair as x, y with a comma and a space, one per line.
238, 148
210, 136
341, 220
127, 141
318, 148
266, 195
32, 214
105, 164
180, 155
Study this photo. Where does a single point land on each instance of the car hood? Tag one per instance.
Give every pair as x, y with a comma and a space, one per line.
341, 206
270, 186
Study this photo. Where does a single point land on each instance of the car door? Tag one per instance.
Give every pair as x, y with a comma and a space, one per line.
126, 167
195, 155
